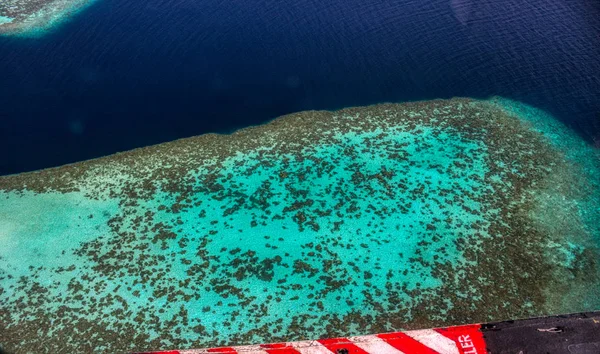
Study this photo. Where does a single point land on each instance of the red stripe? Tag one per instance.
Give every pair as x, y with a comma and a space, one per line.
225, 350
468, 339
335, 344
279, 348
405, 343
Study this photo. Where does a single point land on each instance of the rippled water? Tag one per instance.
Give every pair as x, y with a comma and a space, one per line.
108, 78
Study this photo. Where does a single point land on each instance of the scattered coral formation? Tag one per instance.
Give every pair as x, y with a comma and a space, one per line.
368, 219
33, 17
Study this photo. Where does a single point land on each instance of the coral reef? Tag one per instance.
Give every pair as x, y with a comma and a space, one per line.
317, 224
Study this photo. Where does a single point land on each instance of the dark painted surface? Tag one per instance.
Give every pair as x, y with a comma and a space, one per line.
574, 334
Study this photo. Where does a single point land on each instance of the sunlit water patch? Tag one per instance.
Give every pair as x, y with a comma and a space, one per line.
317, 224
4, 19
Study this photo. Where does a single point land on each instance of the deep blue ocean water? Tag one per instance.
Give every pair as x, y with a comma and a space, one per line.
129, 73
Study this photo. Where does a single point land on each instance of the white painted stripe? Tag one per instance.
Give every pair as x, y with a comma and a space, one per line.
247, 349
311, 347
374, 344
250, 349
434, 340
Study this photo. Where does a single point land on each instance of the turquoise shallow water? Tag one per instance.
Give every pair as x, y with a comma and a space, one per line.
4, 19
367, 219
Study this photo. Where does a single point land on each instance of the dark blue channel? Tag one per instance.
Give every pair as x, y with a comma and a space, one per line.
130, 73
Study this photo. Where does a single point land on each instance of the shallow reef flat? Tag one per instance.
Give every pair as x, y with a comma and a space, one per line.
317, 224
32, 18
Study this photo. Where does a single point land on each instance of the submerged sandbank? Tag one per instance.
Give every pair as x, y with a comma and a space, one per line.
317, 224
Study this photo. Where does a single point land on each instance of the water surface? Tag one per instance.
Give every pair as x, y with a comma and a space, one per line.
124, 74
